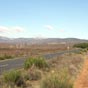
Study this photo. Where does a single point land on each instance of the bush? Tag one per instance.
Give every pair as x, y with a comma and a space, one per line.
33, 75
5, 57
57, 80
81, 45
13, 77
2, 58
8, 57
38, 62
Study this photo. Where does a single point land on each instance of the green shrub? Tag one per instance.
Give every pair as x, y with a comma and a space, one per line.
5, 57
2, 58
57, 80
8, 57
28, 63
81, 45
38, 62
13, 77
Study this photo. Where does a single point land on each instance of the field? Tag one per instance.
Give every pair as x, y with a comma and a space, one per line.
13, 50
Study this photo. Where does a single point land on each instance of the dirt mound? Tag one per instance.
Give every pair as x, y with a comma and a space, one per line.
82, 80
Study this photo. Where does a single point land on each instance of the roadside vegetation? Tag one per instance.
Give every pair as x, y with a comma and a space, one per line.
58, 72
57, 79
81, 45
3, 57
13, 78
38, 62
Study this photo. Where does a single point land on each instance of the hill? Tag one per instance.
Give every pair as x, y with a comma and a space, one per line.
41, 41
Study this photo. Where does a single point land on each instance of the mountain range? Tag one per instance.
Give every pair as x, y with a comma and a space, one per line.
40, 40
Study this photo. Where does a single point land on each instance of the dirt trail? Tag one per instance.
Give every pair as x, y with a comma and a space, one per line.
82, 81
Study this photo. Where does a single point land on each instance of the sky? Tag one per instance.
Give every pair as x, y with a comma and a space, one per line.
44, 18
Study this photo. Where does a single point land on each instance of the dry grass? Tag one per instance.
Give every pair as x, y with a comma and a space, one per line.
72, 63
13, 50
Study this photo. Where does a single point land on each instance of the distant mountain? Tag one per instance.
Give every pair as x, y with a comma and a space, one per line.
40, 41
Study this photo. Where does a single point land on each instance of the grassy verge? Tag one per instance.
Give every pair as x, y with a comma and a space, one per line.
59, 72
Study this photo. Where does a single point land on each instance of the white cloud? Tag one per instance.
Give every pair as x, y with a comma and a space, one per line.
16, 29
61, 30
49, 27
3, 29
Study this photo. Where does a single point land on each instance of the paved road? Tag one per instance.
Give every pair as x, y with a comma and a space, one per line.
50, 56
11, 64
18, 62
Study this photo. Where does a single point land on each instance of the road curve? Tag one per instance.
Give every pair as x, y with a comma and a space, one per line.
18, 62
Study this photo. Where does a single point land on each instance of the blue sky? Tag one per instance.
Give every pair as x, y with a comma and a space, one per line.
44, 18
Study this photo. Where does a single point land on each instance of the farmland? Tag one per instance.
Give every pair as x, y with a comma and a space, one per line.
30, 50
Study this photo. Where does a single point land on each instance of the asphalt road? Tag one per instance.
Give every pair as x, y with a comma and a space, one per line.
18, 62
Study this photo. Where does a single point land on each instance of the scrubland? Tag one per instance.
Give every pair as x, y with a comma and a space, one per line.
8, 51
57, 72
